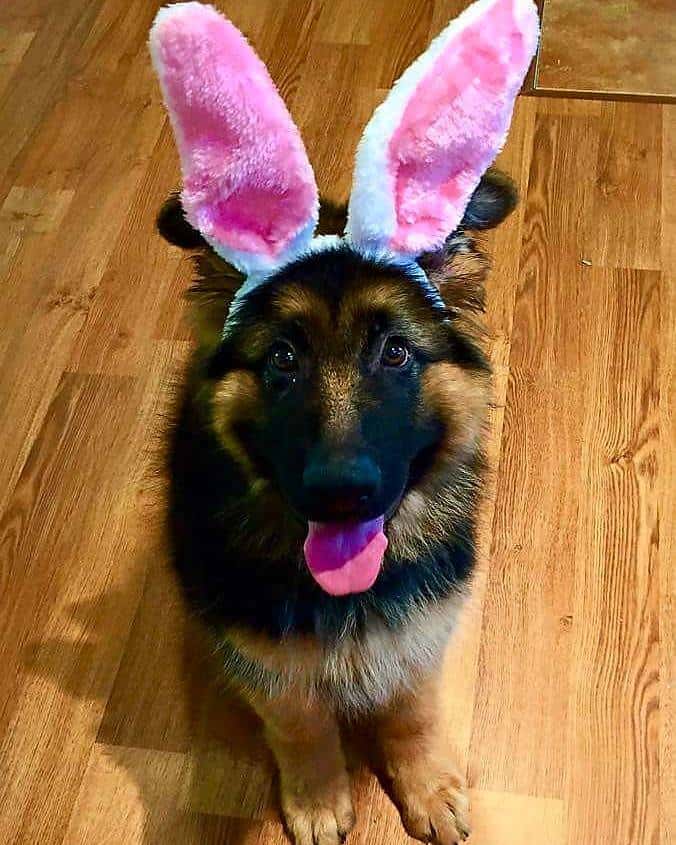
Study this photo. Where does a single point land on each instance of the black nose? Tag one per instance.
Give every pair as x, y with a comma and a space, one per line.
340, 486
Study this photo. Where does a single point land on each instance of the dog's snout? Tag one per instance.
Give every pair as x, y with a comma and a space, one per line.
341, 486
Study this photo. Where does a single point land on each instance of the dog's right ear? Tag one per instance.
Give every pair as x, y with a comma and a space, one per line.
173, 226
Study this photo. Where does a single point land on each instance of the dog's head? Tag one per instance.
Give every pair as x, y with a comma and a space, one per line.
345, 374
346, 391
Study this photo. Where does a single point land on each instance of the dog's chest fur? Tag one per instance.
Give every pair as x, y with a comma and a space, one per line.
356, 675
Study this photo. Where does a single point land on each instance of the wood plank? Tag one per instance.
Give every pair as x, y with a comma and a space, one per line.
624, 230
133, 796
504, 245
154, 671
136, 796
349, 71
667, 490
500, 818
71, 576
169, 669
560, 685
119, 329
13, 45
612, 728
616, 48
45, 66
84, 152
58, 558
53, 275
526, 623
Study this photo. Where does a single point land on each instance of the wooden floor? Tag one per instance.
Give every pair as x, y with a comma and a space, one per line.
561, 688
610, 46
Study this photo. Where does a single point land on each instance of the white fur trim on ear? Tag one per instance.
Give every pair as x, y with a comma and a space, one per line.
427, 145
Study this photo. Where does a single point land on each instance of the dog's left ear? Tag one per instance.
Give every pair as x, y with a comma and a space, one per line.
420, 162
458, 268
494, 198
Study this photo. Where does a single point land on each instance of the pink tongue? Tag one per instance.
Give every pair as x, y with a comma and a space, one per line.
345, 557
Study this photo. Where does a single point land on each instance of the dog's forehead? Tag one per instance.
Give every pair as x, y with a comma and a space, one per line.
343, 293
334, 303
333, 322
338, 286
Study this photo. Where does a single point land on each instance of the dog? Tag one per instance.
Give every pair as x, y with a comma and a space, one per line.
325, 465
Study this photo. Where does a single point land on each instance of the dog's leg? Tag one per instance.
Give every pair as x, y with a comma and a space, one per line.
314, 784
422, 778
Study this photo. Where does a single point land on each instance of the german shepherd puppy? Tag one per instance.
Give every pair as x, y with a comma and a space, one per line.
342, 394
325, 465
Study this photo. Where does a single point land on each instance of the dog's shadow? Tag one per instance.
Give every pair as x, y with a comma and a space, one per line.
171, 755
176, 758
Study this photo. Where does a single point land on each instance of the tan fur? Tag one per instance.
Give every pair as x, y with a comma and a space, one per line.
459, 272
302, 730
339, 400
374, 294
294, 302
210, 297
377, 295
423, 780
314, 785
460, 397
236, 400
300, 687
355, 675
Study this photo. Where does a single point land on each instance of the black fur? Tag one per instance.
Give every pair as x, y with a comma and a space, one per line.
493, 200
210, 504
173, 226
372, 463
208, 499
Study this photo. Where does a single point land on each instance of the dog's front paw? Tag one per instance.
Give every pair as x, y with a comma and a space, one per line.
324, 818
433, 804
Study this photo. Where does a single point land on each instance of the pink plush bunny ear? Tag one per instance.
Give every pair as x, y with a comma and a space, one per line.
248, 186
426, 147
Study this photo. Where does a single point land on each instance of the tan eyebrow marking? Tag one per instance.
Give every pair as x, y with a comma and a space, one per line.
295, 302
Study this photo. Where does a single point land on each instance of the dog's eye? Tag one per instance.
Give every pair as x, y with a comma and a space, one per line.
283, 358
396, 352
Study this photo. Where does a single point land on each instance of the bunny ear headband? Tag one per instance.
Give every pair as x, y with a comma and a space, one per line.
248, 186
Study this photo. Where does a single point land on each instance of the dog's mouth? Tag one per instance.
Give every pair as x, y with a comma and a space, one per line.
345, 557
